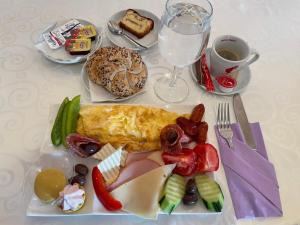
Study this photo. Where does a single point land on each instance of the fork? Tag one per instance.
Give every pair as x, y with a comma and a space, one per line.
223, 123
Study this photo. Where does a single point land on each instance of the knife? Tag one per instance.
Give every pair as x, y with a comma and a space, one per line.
242, 119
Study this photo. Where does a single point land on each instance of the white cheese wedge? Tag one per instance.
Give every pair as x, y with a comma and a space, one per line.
123, 158
104, 152
156, 156
110, 166
140, 196
108, 150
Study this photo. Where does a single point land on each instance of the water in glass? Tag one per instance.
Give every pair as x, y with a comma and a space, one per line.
183, 31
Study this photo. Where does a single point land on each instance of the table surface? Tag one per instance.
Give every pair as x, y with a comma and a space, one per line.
29, 84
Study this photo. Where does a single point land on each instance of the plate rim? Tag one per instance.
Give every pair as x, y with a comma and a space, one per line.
108, 33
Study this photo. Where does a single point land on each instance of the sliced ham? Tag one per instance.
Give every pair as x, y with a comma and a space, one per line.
133, 170
135, 156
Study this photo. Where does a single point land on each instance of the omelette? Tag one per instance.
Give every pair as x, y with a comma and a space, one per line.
134, 126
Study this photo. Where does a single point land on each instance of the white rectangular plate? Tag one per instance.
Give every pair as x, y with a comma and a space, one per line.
92, 205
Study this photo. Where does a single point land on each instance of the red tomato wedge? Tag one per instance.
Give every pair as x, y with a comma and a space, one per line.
185, 161
207, 158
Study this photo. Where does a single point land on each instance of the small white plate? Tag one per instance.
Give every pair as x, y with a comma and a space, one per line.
99, 93
61, 55
149, 40
243, 78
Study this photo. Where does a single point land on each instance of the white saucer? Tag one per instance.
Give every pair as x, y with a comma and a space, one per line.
243, 78
149, 40
61, 55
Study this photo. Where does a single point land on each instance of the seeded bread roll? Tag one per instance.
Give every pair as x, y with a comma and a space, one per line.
136, 24
120, 71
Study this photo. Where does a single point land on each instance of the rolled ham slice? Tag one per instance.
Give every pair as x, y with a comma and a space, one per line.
133, 170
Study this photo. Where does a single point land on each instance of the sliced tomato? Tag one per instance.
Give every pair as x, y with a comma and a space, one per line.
207, 158
185, 161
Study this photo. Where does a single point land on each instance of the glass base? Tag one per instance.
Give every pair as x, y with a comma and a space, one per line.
171, 94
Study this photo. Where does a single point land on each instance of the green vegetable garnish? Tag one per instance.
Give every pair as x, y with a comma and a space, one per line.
57, 126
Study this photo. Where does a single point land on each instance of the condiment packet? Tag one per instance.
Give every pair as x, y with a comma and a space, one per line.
57, 37
87, 31
67, 27
50, 40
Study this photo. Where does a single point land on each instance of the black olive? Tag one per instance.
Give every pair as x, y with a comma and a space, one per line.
90, 148
191, 187
190, 199
81, 169
79, 179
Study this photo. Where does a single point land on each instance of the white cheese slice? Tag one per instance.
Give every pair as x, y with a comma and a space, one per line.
110, 166
104, 152
123, 158
108, 150
140, 196
156, 156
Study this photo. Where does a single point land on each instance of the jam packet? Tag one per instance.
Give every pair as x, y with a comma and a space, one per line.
87, 31
78, 46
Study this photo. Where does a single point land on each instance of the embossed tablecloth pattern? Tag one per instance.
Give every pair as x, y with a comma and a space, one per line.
29, 84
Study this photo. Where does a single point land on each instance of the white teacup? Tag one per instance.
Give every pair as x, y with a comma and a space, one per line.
228, 52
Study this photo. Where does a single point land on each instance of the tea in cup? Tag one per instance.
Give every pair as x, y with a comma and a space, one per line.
229, 52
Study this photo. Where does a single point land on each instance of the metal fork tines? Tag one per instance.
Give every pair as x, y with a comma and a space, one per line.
223, 123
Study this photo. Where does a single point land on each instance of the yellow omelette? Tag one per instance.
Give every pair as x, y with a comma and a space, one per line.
134, 126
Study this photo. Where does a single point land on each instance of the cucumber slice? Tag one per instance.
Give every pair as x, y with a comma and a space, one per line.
173, 193
210, 192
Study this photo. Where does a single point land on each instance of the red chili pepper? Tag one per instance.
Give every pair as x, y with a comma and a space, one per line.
103, 195
207, 158
185, 161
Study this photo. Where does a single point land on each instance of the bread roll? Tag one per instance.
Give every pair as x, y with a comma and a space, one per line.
121, 71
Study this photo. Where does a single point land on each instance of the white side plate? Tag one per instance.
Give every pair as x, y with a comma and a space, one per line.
149, 40
61, 55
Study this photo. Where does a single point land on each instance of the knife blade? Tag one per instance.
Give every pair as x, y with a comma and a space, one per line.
242, 119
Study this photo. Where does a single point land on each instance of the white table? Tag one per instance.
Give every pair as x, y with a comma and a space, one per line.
29, 84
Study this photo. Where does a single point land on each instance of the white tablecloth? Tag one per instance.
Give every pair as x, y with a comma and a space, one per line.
29, 84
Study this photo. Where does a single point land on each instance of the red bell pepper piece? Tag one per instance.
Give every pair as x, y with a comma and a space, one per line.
103, 195
207, 158
185, 161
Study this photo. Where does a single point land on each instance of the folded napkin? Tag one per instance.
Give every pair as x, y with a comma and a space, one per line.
250, 176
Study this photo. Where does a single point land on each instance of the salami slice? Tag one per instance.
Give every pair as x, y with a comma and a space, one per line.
83, 146
172, 137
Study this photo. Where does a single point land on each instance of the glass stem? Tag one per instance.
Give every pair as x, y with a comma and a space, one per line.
176, 71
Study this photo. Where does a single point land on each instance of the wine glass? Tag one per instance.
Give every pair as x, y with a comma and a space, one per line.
183, 36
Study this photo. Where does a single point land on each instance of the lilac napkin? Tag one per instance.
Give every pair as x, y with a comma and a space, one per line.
250, 176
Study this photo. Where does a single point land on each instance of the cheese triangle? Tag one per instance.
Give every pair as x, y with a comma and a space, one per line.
140, 196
